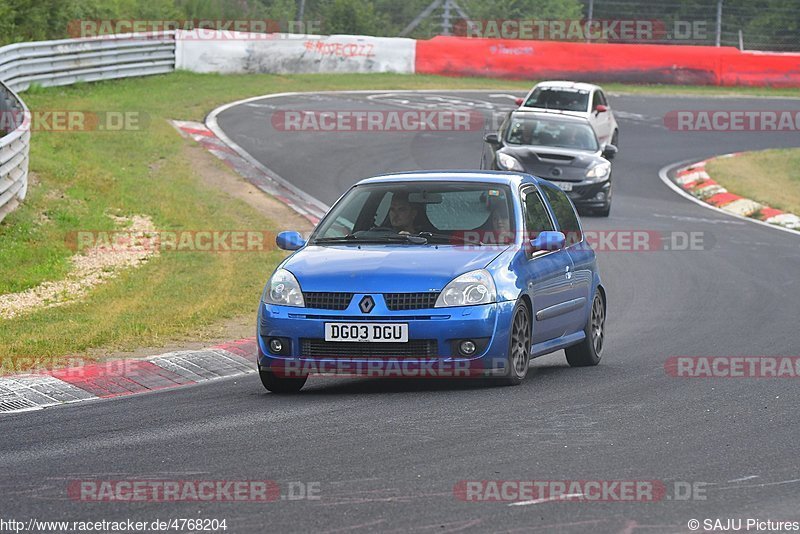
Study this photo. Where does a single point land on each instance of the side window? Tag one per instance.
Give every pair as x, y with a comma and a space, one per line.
536, 217
596, 100
564, 212
602, 98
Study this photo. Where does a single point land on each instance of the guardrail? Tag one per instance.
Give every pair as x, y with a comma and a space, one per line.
64, 62
14, 149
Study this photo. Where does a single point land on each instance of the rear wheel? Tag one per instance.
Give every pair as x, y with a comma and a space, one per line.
279, 384
519, 347
589, 351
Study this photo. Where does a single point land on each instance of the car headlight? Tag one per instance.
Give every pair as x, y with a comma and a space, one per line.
508, 163
598, 173
284, 290
469, 289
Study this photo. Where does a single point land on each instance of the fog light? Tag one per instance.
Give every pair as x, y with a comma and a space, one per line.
275, 346
467, 348
600, 196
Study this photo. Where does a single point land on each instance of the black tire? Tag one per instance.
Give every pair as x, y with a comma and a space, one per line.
279, 384
519, 347
589, 351
615, 138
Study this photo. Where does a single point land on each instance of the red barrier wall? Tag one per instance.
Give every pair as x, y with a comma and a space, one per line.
694, 65
761, 69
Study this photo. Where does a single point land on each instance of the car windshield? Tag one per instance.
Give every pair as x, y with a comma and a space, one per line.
420, 212
536, 131
559, 98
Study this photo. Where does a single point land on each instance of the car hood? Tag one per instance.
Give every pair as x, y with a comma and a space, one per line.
554, 163
385, 268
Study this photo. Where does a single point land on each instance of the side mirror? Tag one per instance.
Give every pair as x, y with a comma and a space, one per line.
601, 108
609, 151
491, 138
519, 101
290, 241
549, 241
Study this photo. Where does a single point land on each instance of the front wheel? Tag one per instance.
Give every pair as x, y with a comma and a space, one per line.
589, 351
519, 347
615, 138
279, 384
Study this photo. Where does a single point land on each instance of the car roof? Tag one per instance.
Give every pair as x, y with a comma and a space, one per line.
568, 85
467, 176
552, 114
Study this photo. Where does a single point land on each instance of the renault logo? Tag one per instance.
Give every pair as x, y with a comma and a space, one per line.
367, 304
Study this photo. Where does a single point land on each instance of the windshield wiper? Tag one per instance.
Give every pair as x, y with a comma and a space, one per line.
398, 238
449, 238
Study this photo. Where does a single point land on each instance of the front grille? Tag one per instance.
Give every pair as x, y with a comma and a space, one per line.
410, 301
327, 301
555, 157
414, 348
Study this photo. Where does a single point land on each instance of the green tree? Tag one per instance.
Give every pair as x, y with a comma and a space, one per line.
354, 17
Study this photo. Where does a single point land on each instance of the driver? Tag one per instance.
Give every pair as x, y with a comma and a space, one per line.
403, 214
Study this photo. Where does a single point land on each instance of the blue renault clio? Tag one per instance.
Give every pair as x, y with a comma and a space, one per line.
446, 273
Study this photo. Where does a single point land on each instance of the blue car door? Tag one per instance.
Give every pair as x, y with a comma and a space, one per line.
547, 274
581, 255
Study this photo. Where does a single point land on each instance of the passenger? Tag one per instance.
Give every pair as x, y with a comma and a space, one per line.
501, 226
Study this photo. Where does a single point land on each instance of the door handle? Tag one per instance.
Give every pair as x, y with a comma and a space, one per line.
569, 274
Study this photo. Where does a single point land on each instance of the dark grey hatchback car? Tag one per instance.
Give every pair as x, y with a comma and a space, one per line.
560, 148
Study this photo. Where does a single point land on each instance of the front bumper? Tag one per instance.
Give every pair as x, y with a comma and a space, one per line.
592, 195
443, 328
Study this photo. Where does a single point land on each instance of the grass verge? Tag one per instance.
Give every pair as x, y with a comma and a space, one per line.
80, 178
770, 177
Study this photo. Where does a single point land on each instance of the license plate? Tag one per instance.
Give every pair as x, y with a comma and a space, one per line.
367, 332
565, 186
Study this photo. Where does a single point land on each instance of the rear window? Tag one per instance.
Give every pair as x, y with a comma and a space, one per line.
559, 98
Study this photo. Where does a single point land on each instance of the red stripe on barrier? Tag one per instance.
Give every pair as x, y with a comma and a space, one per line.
637, 63
721, 199
195, 131
246, 348
707, 182
767, 213
120, 377
692, 185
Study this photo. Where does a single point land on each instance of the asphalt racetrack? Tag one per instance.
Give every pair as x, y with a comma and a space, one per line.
387, 455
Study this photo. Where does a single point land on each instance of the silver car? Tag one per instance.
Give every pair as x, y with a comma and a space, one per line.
577, 99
